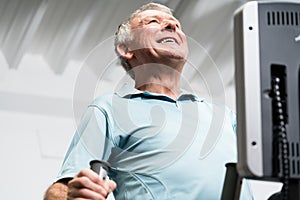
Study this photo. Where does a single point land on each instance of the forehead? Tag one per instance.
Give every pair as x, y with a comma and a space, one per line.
138, 19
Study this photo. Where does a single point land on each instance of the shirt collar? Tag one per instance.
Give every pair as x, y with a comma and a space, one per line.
128, 91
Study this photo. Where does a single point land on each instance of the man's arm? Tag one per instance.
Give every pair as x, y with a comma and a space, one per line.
57, 191
85, 185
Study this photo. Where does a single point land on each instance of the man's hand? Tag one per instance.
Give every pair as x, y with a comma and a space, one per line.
88, 185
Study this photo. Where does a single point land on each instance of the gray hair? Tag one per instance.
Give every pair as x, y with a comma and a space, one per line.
123, 34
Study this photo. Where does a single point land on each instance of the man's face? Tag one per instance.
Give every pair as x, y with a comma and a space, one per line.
158, 38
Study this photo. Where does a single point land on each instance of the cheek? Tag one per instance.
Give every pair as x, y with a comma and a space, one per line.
185, 44
142, 39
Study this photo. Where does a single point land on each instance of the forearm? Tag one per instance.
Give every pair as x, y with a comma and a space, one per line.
57, 191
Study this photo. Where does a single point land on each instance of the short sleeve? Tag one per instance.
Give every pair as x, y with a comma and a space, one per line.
90, 141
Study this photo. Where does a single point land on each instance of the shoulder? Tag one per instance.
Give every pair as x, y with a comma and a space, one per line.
221, 111
108, 105
103, 102
218, 107
102, 99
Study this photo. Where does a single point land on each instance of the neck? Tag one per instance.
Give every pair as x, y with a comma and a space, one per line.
158, 79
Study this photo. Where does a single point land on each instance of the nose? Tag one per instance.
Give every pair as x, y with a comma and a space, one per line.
169, 25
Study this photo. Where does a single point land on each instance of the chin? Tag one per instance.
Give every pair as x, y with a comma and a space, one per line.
173, 54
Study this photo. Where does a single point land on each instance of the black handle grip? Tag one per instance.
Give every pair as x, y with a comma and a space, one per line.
100, 167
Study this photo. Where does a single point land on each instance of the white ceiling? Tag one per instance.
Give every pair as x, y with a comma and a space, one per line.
60, 30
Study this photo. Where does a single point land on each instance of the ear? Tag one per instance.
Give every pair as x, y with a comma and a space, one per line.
124, 52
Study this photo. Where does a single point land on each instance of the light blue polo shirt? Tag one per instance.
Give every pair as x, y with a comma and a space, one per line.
159, 148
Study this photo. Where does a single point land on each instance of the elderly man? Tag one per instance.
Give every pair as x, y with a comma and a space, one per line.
151, 133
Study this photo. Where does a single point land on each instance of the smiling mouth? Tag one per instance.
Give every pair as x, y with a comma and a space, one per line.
167, 40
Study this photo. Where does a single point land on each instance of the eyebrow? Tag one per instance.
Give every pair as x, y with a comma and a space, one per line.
159, 17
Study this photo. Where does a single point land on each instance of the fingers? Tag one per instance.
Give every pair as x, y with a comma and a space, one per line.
84, 193
112, 185
87, 184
